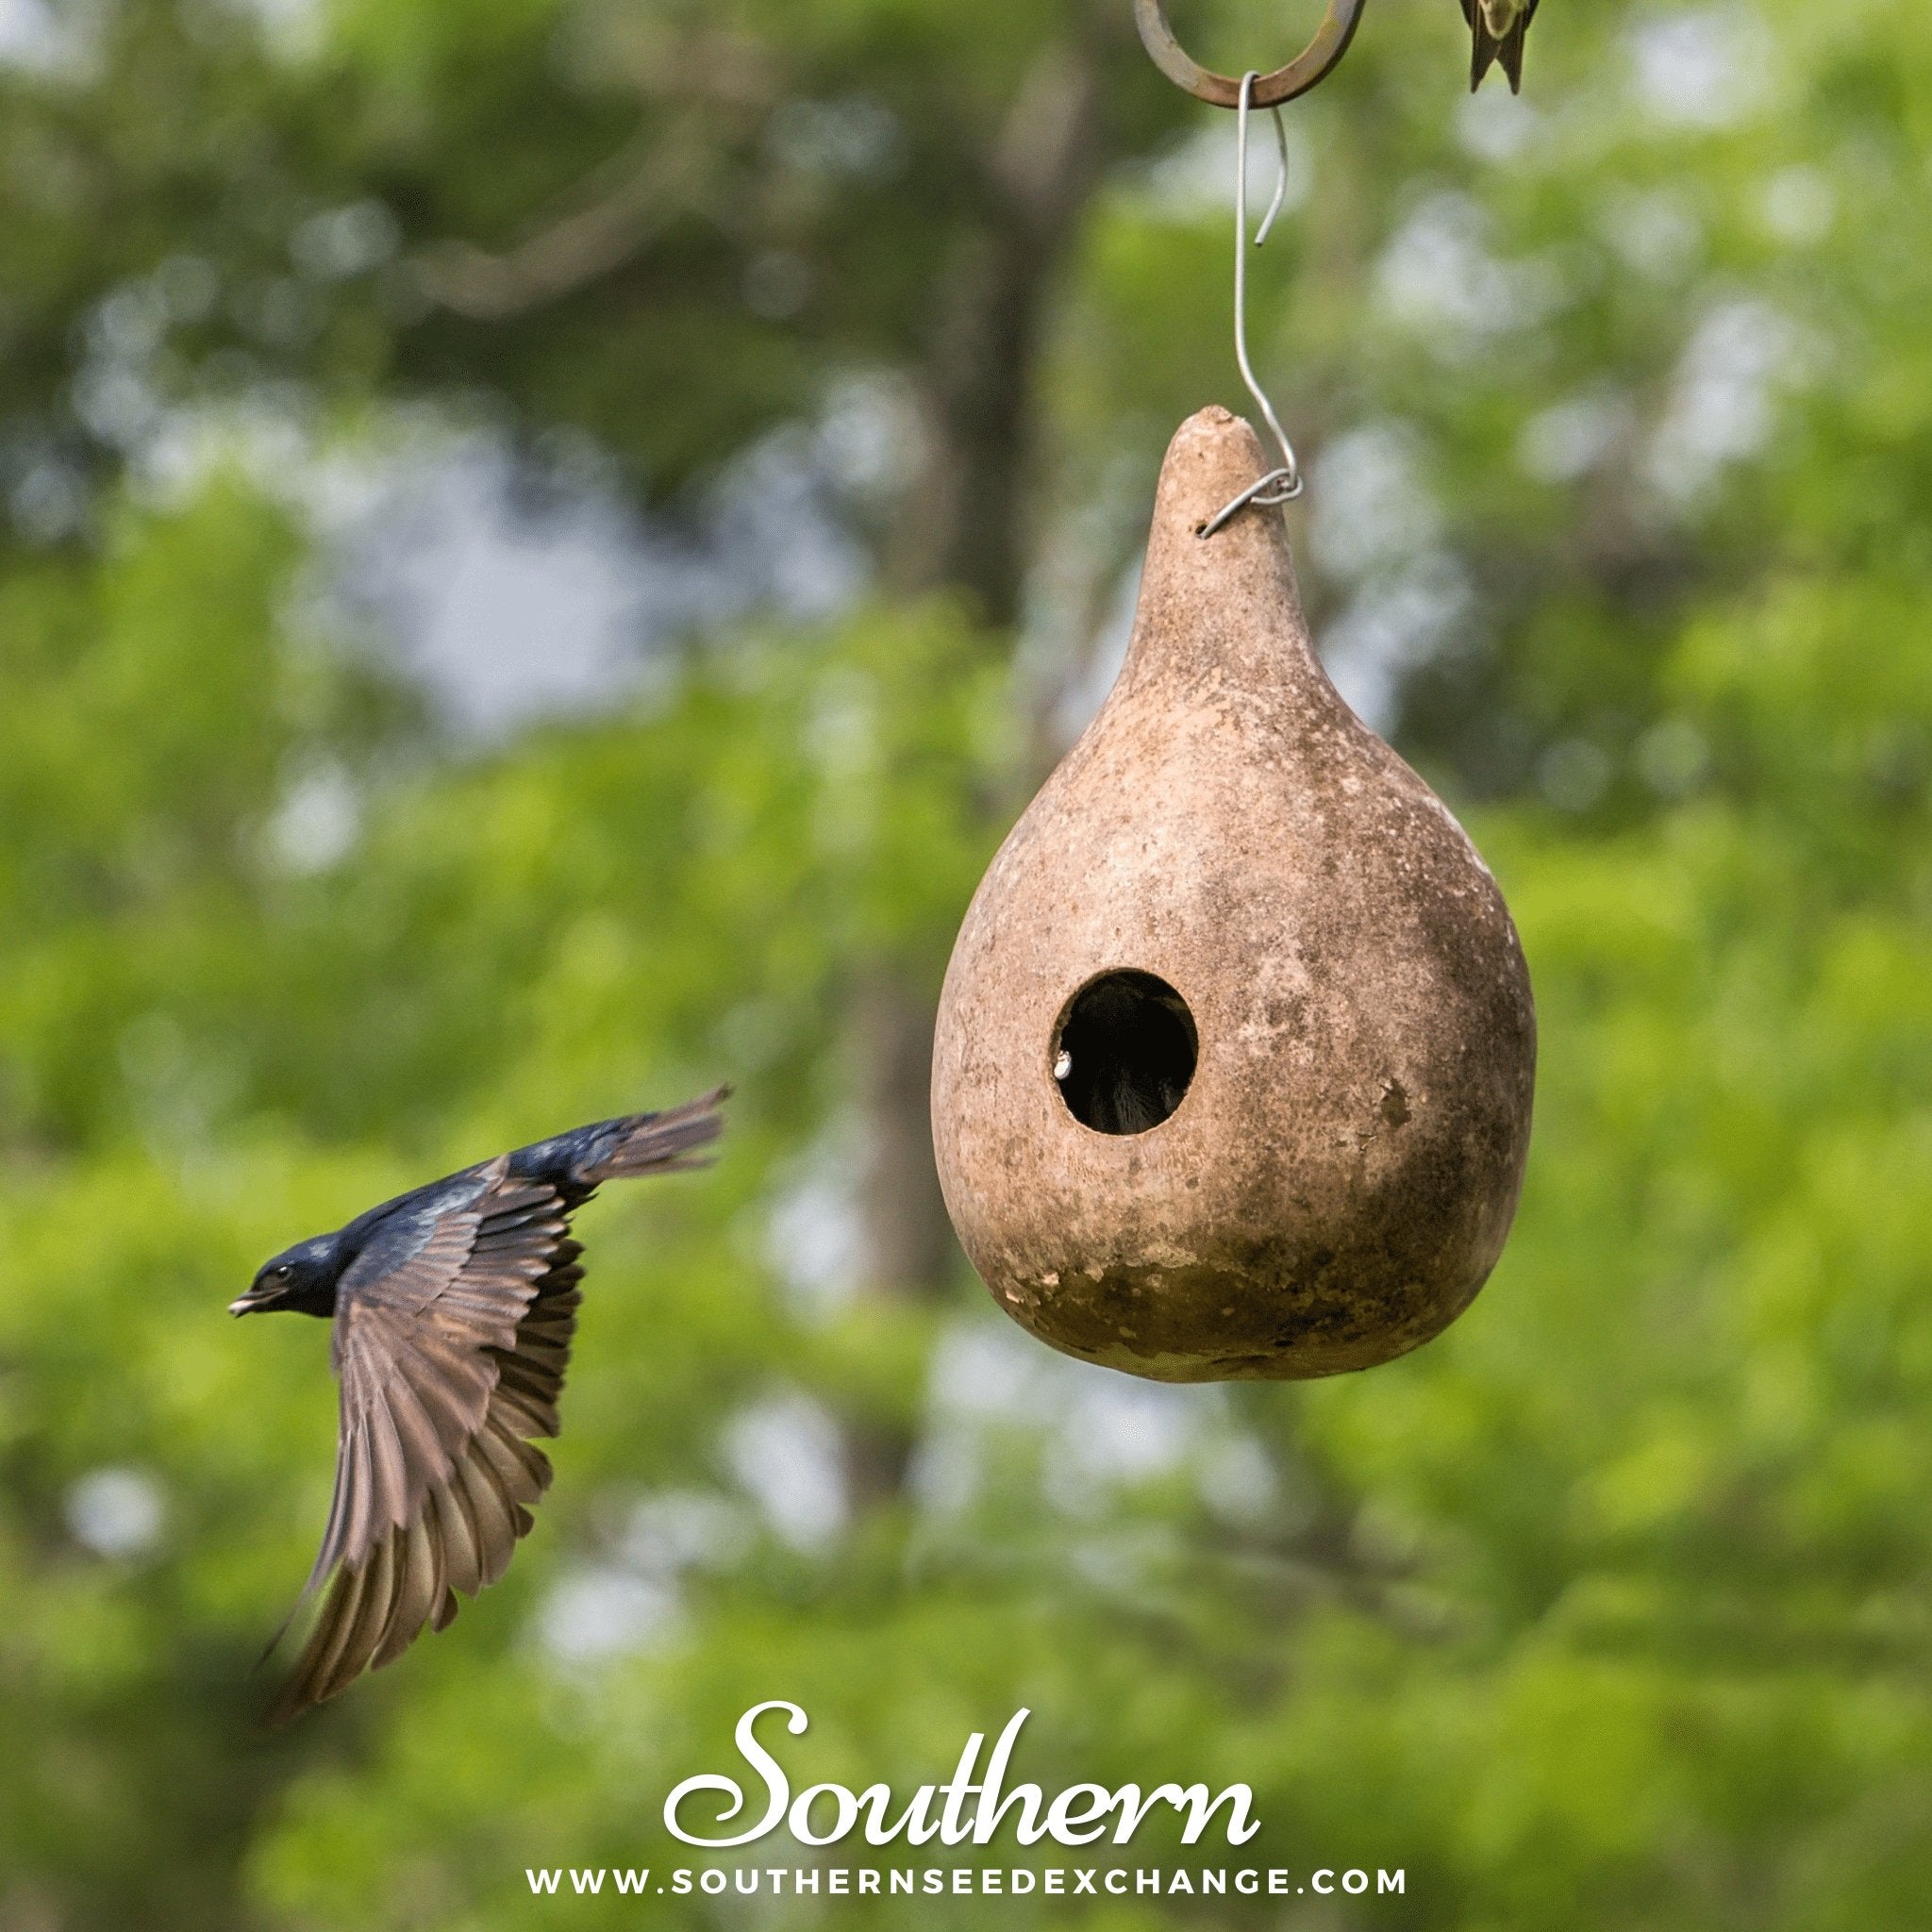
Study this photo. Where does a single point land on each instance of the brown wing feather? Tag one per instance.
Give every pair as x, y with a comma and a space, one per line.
447, 1364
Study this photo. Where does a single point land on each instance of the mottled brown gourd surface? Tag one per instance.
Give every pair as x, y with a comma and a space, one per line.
1341, 1171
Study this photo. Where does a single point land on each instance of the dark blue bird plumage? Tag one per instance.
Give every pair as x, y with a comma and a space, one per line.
454, 1308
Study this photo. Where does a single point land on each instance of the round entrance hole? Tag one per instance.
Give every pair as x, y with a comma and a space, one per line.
1124, 1053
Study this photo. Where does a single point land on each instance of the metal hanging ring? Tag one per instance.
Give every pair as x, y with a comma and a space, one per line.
1312, 65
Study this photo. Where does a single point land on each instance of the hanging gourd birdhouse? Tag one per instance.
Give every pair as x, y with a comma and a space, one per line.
1235, 1055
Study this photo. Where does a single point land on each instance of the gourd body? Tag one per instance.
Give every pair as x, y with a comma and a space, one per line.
1342, 1169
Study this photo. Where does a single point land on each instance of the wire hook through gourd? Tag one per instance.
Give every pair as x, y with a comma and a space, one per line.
1281, 485
1312, 65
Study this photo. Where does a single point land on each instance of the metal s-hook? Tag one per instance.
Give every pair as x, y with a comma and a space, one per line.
1313, 64
1281, 485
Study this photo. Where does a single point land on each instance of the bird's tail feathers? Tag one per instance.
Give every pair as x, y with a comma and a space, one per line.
667, 1142
1503, 50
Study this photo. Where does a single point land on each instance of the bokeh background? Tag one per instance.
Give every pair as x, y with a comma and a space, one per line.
544, 543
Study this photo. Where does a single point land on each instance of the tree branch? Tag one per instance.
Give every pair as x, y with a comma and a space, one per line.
654, 184
624, 204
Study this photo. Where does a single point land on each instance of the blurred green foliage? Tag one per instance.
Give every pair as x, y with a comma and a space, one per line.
1608, 1608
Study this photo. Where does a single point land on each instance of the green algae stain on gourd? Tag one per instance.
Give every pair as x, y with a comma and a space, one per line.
1235, 1057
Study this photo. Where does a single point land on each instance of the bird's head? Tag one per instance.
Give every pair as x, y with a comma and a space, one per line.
300, 1277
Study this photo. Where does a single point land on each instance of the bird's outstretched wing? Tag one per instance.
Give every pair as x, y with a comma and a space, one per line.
450, 1345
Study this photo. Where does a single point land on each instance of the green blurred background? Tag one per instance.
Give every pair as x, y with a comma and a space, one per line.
544, 542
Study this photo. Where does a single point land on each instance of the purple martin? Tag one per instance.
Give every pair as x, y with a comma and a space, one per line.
453, 1309
1498, 27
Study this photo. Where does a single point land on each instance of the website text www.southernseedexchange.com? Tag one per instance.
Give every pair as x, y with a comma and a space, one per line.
980, 1881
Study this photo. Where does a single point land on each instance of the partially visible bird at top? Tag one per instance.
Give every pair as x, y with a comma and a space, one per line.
1498, 26
453, 1309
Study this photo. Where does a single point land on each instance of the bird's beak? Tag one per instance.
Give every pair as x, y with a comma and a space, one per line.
245, 1303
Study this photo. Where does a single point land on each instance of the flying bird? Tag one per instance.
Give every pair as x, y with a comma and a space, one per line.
453, 1309
1498, 26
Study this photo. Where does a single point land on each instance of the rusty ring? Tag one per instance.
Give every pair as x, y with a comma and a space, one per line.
1314, 63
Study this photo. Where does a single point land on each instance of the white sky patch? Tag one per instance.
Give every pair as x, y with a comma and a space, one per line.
991, 1372
787, 1455
510, 616
48, 501
118, 1513
1237, 1480
633, 1603
24, 29
1123, 1431
674, 1530
946, 1469
1394, 623
1722, 405
513, 604
41, 37
596, 1615
1081, 696
775, 536
292, 28
1099, 1431
317, 823
1195, 177
1369, 507
1375, 526
815, 1237
343, 241
1438, 276
1704, 68
1569, 438
511, 590
1656, 233
864, 438
1496, 126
